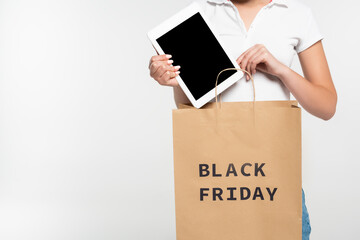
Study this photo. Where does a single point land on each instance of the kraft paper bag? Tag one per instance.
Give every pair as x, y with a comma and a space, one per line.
237, 171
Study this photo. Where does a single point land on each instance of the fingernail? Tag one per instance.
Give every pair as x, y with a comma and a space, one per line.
168, 56
170, 61
178, 72
177, 67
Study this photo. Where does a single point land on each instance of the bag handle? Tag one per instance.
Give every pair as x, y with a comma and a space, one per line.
227, 69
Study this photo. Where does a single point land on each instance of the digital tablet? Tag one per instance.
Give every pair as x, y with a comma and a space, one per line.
194, 45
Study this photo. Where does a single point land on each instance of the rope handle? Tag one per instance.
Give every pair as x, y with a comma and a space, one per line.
227, 69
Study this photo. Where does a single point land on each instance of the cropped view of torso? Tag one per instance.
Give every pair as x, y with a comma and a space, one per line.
284, 27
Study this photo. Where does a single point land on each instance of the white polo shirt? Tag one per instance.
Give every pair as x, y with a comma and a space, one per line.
284, 27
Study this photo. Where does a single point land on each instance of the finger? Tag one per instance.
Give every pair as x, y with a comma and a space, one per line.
245, 60
167, 76
156, 58
155, 65
245, 52
247, 56
172, 75
257, 58
173, 82
158, 68
241, 57
251, 61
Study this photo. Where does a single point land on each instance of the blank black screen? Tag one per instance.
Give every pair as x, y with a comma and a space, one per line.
194, 47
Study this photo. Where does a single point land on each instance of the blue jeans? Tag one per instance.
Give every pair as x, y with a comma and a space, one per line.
306, 228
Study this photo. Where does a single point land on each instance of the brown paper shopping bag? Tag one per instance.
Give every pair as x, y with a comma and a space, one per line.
238, 171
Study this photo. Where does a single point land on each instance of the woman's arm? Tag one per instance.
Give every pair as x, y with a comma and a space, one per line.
316, 92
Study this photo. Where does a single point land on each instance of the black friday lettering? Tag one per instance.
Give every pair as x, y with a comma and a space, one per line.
235, 193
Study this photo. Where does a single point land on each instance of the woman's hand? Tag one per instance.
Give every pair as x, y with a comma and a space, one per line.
162, 70
259, 58
316, 92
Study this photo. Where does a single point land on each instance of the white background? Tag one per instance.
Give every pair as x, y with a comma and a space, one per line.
86, 134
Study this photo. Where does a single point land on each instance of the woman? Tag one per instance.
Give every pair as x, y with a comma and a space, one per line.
264, 36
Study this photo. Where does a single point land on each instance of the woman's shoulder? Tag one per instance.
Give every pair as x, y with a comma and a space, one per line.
299, 13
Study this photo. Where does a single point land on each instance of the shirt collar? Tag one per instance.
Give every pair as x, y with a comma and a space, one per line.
281, 2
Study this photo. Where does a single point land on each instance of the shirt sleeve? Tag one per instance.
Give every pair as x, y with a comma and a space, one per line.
310, 35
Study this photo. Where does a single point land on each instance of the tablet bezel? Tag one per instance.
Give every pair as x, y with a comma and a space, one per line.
174, 21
